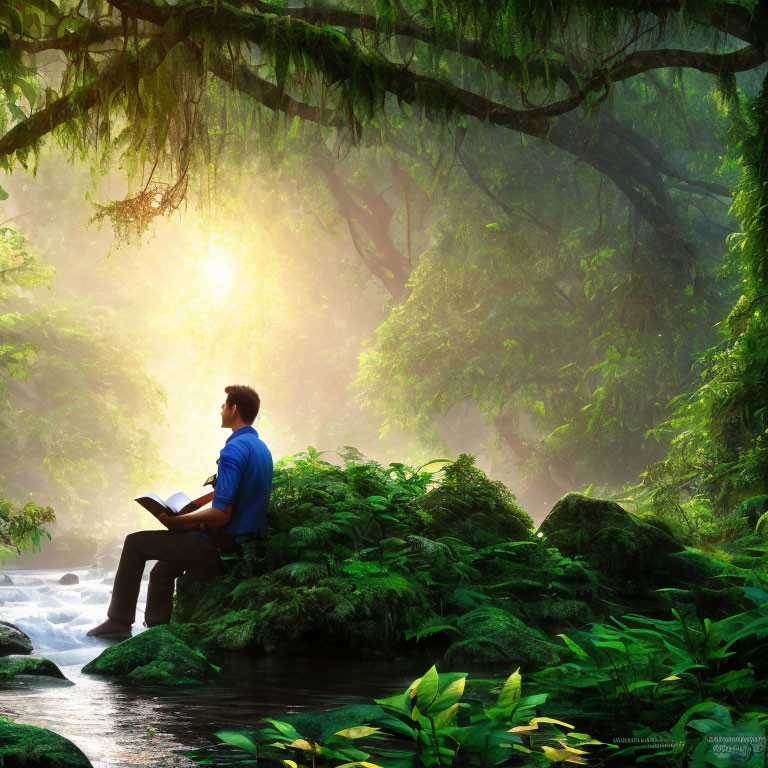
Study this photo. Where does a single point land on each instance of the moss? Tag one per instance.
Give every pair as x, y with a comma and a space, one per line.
11, 666
609, 538
660, 524
13, 640
690, 566
154, 657
559, 611
162, 674
493, 635
25, 746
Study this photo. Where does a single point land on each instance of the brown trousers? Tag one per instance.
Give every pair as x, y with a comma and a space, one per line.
175, 552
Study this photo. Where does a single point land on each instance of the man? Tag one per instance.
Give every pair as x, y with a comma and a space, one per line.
196, 536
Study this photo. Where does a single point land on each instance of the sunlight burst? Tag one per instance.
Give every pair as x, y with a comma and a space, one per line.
217, 271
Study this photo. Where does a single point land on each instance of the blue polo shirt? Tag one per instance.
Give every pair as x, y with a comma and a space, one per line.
244, 480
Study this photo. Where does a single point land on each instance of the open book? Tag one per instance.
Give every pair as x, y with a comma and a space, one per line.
171, 506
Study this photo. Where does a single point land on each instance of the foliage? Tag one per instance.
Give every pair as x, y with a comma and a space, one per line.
363, 557
564, 324
427, 725
675, 692
22, 528
68, 385
718, 453
527, 348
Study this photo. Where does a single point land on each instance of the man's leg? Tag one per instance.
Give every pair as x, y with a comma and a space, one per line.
162, 579
177, 550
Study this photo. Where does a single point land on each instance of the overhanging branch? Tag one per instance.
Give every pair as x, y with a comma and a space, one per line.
28, 132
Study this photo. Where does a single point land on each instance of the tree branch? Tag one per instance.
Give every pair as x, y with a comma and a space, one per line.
42, 122
266, 93
88, 34
336, 56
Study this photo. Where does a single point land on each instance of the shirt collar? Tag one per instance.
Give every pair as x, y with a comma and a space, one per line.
246, 430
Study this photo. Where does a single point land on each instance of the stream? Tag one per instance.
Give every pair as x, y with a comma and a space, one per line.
119, 725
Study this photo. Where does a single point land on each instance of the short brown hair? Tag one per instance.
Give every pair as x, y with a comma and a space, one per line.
246, 400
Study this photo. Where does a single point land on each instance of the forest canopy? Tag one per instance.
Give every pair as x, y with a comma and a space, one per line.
543, 193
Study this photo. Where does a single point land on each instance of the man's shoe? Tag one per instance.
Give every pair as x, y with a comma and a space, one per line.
110, 629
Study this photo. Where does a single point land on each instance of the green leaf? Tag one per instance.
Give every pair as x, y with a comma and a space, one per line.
510, 692
286, 729
239, 739
28, 89
577, 649
426, 691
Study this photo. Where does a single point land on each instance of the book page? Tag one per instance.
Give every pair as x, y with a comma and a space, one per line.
152, 503
177, 501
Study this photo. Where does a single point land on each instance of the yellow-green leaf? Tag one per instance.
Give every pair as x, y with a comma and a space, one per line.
358, 732
510, 692
537, 720
301, 744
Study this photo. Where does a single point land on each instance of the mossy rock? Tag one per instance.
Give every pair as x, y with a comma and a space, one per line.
12, 666
611, 540
567, 611
25, 746
689, 567
496, 636
154, 657
13, 640
660, 524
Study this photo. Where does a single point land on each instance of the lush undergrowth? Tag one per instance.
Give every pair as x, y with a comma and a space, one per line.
680, 692
378, 560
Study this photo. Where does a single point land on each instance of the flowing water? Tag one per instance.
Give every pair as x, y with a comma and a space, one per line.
119, 725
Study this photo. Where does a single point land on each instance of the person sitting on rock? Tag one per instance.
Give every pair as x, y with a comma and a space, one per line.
195, 536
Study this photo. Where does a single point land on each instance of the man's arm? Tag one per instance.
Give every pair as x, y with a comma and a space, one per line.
196, 504
192, 521
223, 498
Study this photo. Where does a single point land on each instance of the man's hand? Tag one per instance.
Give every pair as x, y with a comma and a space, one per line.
169, 521
192, 521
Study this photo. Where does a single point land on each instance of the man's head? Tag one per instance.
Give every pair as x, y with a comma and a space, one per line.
241, 406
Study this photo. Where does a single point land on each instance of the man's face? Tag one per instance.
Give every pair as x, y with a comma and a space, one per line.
227, 414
